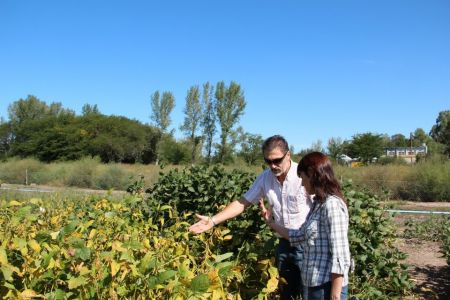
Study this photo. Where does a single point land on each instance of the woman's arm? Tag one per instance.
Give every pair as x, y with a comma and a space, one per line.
295, 237
337, 230
336, 286
267, 216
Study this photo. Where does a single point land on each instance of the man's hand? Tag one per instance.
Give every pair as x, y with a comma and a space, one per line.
203, 225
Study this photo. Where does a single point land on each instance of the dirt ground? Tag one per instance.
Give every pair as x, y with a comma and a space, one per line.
428, 268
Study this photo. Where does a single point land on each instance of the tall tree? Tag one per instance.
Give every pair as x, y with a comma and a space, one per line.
27, 109
192, 119
161, 109
335, 147
88, 110
230, 105
398, 140
315, 146
440, 132
208, 119
5, 138
366, 146
420, 137
251, 147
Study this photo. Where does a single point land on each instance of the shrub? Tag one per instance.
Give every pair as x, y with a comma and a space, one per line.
15, 170
111, 176
82, 173
446, 245
429, 182
378, 271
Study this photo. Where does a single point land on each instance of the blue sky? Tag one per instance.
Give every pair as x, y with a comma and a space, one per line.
310, 70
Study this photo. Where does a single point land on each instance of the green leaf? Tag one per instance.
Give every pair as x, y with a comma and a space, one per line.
147, 262
223, 257
69, 228
7, 273
76, 282
110, 214
83, 253
200, 283
166, 275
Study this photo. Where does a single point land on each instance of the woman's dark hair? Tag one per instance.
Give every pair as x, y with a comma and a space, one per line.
275, 141
317, 166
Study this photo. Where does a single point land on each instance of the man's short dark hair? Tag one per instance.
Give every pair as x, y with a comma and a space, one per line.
275, 141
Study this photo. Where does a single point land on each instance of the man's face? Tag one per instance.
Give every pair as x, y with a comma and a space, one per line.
278, 161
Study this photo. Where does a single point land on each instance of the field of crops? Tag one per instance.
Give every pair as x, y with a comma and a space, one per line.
138, 246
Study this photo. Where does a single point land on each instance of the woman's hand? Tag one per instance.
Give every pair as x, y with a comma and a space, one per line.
266, 214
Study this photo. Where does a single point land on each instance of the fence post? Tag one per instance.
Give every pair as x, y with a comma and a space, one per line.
26, 176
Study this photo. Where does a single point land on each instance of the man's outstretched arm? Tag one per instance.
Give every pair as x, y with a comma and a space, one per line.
232, 210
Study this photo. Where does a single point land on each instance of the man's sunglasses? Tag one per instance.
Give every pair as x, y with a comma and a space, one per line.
275, 161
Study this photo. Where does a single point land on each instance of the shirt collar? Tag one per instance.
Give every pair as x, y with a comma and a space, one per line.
292, 173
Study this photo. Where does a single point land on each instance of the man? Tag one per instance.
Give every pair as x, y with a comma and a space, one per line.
290, 204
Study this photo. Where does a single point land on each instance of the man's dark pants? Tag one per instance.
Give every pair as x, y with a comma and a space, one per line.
289, 260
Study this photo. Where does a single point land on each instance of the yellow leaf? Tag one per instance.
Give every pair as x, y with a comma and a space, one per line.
117, 246
92, 233
115, 267
36, 201
228, 237
3, 257
224, 231
34, 245
24, 251
54, 235
30, 294
14, 203
124, 274
54, 220
51, 264
89, 223
179, 250
213, 275
146, 243
84, 271
117, 206
216, 295
75, 282
272, 285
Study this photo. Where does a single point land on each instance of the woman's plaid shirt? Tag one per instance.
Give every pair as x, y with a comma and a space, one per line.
324, 237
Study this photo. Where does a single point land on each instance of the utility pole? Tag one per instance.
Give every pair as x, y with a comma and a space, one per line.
410, 146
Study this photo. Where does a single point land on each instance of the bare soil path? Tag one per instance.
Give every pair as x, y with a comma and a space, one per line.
428, 268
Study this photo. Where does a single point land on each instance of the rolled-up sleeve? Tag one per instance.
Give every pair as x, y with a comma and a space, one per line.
337, 227
255, 191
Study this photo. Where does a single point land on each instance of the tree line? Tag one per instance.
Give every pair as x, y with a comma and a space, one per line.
52, 132
210, 127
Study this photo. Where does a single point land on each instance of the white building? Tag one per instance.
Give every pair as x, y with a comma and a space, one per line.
407, 153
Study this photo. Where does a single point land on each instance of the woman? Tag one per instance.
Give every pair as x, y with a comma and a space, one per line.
324, 235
